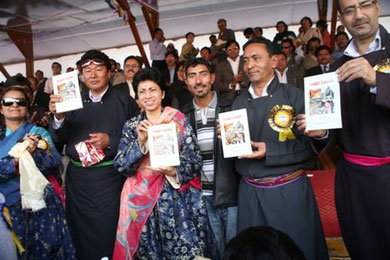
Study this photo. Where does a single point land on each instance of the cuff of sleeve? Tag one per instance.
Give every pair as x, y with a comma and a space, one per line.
174, 181
144, 148
323, 137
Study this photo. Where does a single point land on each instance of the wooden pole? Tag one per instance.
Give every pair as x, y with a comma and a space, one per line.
148, 20
333, 25
4, 71
133, 27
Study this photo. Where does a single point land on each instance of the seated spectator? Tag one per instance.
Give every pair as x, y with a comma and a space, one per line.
179, 93
342, 40
214, 49
41, 80
225, 34
308, 32
324, 57
340, 28
323, 27
230, 80
171, 48
188, 51
249, 33
40, 102
310, 59
294, 60
205, 53
258, 32
169, 74
132, 65
56, 69
283, 33
262, 243
282, 71
43, 233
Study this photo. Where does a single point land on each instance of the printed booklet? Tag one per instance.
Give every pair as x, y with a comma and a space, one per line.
235, 133
67, 86
322, 102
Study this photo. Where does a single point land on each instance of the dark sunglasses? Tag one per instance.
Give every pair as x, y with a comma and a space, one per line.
7, 102
92, 61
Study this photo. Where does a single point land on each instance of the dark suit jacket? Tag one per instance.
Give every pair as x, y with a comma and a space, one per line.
41, 99
314, 71
123, 87
224, 76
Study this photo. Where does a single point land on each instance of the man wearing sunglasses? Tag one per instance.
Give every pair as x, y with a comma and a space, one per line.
362, 187
93, 193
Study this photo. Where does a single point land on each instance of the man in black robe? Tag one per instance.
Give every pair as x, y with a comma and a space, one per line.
362, 187
93, 193
274, 191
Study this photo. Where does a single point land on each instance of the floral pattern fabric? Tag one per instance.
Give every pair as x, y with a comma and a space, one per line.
178, 226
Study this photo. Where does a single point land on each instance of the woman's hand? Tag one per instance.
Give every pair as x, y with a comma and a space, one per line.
33, 142
142, 131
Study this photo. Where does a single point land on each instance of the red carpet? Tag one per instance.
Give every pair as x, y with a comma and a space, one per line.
323, 186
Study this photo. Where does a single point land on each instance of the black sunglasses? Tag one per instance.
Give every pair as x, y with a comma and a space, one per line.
7, 102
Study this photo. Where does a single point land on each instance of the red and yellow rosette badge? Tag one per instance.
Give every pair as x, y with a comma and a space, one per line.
383, 66
281, 119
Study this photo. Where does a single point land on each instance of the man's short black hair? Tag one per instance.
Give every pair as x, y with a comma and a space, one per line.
157, 30
281, 53
322, 47
172, 53
212, 36
342, 33
322, 23
268, 44
307, 18
262, 243
221, 20
260, 29
56, 63
132, 57
198, 61
206, 48
40, 71
282, 22
230, 42
190, 33
17, 80
248, 31
289, 41
96, 54
314, 39
146, 74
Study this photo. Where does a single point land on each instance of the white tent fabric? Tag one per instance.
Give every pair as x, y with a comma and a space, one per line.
62, 27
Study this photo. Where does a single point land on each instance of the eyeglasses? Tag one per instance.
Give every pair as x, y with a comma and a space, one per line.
364, 6
92, 61
286, 47
7, 102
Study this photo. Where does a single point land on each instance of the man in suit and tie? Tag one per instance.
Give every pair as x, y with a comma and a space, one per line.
230, 80
132, 65
324, 57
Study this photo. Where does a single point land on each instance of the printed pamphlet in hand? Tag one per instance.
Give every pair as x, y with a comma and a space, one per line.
163, 146
67, 86
322, 102
235, 133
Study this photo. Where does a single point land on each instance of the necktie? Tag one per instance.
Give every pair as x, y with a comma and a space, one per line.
325, 70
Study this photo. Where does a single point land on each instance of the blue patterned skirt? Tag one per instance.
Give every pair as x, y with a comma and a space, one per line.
44, 234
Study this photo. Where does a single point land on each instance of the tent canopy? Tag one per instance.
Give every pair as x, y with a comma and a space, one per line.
61, 27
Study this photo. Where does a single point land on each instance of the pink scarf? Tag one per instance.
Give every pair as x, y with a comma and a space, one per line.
140, 194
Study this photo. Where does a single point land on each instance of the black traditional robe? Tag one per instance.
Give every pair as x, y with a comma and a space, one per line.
363, 193
93, 194
290, 208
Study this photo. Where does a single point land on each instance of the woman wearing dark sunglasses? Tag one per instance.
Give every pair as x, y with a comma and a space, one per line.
41, 234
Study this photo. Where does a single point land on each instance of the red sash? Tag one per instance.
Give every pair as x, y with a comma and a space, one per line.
140, 194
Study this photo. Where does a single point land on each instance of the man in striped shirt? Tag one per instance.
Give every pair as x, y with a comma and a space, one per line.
219, 179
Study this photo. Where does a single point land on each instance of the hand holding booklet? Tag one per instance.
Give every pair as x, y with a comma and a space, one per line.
163, 146
235, 133
322, 102
67, 86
